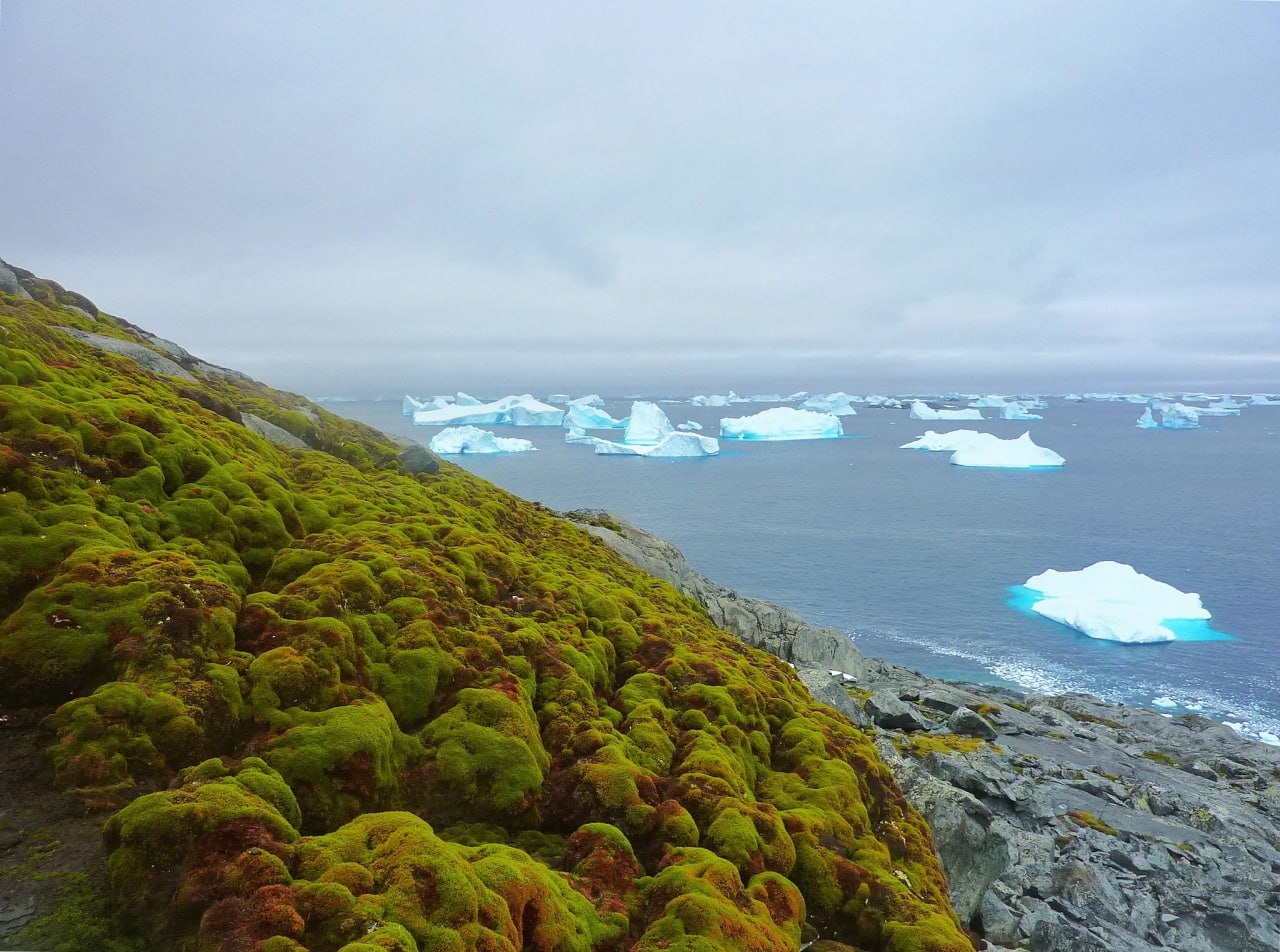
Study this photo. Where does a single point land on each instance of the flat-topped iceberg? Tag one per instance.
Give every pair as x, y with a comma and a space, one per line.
837, 403
1263, 400
947, 442
988, 450
922, 411
715, 400
1114, 602
522, 410
558, 398
647, 425
1018, 411
591, 418
471, 439
782, 423
672, 446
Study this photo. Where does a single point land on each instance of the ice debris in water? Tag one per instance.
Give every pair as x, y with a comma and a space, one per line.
936, 442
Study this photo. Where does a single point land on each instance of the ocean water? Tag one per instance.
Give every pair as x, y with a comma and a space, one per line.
918, 560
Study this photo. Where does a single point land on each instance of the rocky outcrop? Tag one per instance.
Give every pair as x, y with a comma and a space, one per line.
152, 360
1064, 824
276, 434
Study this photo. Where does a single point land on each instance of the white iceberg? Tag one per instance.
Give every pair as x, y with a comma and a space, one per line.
1072, 398
1018, 411
991, 401
782, 423
1263, 400
412, 405
470, 439
988, 450
522, 410
591, 418
1114, 602
887, 403
922, 411
947, 442
689, 425
837, 403
558, 398
1224, 408
590, 400
466, 400
1147, 421
672, 446
647, 425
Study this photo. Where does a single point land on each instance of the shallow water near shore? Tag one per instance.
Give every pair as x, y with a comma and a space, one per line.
915, 557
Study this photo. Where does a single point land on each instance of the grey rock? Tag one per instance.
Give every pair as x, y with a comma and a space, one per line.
276, 434
969, 723
416, 458
887, 710
10, 284
996, 921
145, 356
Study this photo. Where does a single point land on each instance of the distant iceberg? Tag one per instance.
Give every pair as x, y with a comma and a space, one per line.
782, 423
888, 403
715, 400
412, 405
689, 425
988, 450
1147, 421
590, 400
1073, 398
558, 398
647, 425
522, 410
922, 411
1018, 411
672, 446
576, 434
835, 403
1223, 408
991, 401
1114, 602
466, 400
591, 418
1179, 416
941, 442
470, 439
1263, 400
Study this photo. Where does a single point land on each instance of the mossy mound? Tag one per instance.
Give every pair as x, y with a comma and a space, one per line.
331, 704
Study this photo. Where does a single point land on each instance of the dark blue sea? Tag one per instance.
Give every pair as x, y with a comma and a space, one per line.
914, 558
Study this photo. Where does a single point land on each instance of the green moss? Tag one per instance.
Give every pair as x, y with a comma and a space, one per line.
1084, 818
920, 745
1160, 757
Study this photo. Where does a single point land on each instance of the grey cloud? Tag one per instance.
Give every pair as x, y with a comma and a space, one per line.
994, 195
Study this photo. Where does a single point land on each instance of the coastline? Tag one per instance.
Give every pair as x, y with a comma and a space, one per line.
1063, 822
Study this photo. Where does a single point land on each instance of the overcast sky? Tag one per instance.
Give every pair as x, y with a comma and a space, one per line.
373, 197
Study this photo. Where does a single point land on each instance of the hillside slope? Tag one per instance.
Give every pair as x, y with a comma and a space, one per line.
323, 694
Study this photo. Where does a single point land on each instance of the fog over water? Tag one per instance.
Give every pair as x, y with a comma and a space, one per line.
368, 199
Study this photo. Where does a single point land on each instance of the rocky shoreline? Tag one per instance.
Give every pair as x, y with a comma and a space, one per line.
1064, 823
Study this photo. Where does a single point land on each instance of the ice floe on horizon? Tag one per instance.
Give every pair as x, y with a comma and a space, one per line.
989, 451
457, 440
922, 411
837, 404
782, 423
1018, 411
521, 410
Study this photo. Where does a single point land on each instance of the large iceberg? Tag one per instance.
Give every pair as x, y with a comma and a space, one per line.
1147, 421
837, 403
1223, 408
647, 425
782, 423
1114, 602
947, 442
522, 410
986, 449
922, 411
470, 439
672, 446
591, 418
1018, 411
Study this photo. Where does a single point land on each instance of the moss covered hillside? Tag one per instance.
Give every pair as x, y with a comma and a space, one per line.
313, 700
